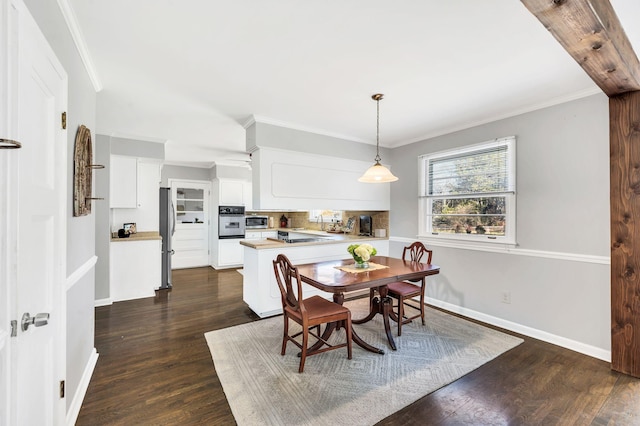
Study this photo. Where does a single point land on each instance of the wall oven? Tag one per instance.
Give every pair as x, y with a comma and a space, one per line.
256, 222
231, 222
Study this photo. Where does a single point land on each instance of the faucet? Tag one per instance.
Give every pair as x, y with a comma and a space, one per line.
319, 218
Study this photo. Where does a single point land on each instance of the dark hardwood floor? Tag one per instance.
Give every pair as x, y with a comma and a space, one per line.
155, 368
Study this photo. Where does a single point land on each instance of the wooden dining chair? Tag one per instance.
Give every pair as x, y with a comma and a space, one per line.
309, 313
405, 290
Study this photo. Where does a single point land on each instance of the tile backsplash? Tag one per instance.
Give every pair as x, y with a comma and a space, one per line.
380, 219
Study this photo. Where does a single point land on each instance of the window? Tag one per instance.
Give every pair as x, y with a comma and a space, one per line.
327, 215
469, 193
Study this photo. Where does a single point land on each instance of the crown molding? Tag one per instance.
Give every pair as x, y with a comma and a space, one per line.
72, 23
266, 120
529, 108
137, 137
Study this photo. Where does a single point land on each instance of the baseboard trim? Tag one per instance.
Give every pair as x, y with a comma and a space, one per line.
573, 345
103, 302
81, 271
78, 397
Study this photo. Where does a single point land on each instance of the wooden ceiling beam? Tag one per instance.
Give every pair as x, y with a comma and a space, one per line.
591, 33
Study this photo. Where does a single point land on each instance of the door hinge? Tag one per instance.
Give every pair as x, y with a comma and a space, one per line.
64, 120
61, 388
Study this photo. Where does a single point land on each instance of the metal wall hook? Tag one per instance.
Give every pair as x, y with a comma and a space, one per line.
9, 144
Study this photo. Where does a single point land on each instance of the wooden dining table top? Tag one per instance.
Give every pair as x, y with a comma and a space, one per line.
327, 277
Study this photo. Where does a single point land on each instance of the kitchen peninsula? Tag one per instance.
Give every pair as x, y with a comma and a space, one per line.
260, 289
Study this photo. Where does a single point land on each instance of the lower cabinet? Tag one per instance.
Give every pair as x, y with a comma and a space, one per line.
258, 235
230, 253
135, 269
269, 234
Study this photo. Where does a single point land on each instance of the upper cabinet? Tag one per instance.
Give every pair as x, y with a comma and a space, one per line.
232, 192
301, 181
123, 185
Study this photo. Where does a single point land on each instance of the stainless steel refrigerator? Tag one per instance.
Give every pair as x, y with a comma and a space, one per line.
167, 228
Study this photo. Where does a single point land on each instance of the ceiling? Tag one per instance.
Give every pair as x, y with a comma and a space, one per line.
193, 73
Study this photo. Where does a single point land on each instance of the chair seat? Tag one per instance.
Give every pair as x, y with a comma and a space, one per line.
403, 288
318, 308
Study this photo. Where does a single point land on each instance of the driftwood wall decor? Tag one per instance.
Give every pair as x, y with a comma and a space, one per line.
82, 172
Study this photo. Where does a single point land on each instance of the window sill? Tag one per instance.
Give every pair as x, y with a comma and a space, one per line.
470, 243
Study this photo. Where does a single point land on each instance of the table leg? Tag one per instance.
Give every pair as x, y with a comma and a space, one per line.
364, 345
339, 299
387, 308
384, 307
373, 310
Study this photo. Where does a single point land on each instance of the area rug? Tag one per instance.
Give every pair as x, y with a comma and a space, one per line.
265, 388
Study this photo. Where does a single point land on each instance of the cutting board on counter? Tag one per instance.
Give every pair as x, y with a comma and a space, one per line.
275, 240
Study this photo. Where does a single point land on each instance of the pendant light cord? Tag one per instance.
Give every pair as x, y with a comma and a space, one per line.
377, 98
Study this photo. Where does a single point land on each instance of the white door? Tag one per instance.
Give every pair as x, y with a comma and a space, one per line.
190, 240
34, 212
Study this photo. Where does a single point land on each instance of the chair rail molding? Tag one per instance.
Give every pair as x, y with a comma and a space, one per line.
503, 249
81, 271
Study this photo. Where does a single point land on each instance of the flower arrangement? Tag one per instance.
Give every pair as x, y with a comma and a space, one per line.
361, 252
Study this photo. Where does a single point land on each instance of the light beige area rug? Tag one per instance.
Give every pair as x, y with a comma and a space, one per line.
265, 388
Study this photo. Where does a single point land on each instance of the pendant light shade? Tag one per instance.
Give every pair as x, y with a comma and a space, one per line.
377, 173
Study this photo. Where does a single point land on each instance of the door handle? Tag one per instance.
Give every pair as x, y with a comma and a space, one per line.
39, 320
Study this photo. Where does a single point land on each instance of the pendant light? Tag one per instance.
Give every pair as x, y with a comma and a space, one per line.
377, 173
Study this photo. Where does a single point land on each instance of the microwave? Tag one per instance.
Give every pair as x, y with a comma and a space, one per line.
256, 222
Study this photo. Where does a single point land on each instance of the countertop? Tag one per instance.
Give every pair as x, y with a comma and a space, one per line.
139, 236
330, 239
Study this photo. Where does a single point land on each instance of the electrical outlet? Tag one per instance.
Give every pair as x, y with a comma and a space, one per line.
506, 297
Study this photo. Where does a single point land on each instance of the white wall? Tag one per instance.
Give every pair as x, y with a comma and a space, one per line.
558, 275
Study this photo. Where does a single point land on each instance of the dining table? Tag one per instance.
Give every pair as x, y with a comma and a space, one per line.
339, 277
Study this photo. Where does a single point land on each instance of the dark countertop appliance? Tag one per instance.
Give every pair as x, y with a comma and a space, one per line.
366, 226
231, 222
284, 236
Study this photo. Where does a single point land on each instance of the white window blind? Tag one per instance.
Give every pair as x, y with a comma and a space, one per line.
469, 193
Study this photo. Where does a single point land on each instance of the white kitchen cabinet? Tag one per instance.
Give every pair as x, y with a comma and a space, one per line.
301, 181
252, 235
146, 214
260, 235
230, 253
231, 192
123, 182
135, 268
269, 234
